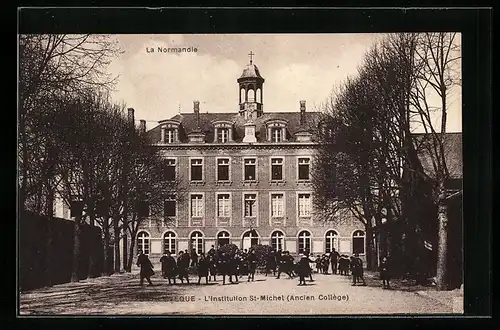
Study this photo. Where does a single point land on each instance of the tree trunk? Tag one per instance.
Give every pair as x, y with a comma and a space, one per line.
125, 251
91, 249
442, 266
48, 241
105, 244
131, 255
116, 245
370, 260
76, 249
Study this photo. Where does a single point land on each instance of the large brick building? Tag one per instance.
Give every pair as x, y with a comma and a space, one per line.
244, 170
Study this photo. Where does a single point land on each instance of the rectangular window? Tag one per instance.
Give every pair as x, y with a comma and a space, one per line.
169, 209
170, 136
223, 169
196, 170
250, 169
276, 134
250, 205
169, 168
277, 205
304, 168
276, 169
196, 205
304, 205
223, 205
223, 135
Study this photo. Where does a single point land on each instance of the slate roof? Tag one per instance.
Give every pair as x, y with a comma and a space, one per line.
188, 124
251, 71
452, 149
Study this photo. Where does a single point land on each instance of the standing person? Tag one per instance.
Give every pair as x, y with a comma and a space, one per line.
146, 268
284, 265
163, 260
325, 263
224, 265
211, 252
213, 266
334, 258
252, 265
384, 272
194, 258
303, 269
271, 262
352, 266
318, 264
182, 266
357, 270
203, 266
170, 267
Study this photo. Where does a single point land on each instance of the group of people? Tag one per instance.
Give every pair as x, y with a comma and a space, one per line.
234, 265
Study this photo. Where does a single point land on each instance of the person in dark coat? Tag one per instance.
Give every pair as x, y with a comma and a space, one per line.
168, 266
303, 269
357, 270
325, 263
203, 266
225, 265
334, 257
182, 266
251, 265
163, 265
384, 272
271, 263
211, 252
344, 265
284, 265
212, 266
194, 258
317, 261
146, 268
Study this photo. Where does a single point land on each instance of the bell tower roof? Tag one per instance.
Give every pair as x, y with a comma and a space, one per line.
251, 70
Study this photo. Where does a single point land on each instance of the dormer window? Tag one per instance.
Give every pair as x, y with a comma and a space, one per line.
169, 131
276, 130
223, 131
170, 135
223, 135
276, 134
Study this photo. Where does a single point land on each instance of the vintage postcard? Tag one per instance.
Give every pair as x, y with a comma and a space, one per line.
240, 174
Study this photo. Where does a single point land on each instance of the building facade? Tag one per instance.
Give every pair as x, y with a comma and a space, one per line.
248, 176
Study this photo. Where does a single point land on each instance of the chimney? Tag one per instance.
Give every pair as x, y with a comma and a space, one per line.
131, 116
196, 107
142, 126
302, 112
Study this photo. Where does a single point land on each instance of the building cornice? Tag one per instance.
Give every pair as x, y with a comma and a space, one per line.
258, 145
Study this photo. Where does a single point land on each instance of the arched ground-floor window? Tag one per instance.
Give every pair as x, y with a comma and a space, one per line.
304, 242
196, 240
358, 242
143, 242
169, 242
250, 238
223, 238
331, 241
277, 240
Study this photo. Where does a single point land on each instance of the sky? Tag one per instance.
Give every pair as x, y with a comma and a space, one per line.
295, 67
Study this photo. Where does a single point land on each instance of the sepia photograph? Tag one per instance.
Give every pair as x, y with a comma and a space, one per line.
240, 174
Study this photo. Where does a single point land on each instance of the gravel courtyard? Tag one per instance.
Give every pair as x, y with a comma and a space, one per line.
121, 294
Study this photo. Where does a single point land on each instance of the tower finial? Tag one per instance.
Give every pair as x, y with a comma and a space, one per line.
251, 54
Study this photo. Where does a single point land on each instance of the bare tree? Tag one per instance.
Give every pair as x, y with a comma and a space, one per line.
438, 59
52, 66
